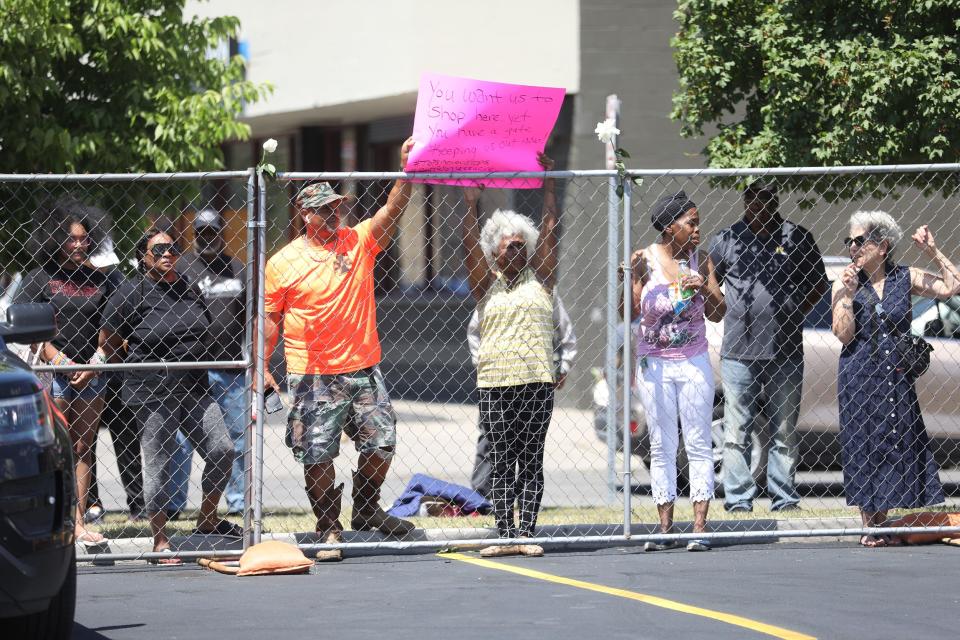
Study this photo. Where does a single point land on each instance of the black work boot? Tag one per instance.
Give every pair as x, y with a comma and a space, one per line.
327, 511
367, 514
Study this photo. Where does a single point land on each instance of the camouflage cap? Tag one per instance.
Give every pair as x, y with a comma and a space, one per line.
317, 194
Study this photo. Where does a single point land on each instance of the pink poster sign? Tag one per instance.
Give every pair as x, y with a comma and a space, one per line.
465, 125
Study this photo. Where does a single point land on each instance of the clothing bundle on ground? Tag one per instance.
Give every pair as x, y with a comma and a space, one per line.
423, 489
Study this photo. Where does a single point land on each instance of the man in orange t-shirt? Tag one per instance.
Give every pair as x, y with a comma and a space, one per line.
320, 286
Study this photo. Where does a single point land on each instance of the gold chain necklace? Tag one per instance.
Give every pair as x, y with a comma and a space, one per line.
322, 253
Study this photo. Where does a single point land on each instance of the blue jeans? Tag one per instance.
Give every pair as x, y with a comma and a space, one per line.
62, 390
227, 388
743, 383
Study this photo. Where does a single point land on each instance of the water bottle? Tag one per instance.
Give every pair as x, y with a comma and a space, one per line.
682, 294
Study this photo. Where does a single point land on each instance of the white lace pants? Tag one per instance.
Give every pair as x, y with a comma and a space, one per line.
670, 389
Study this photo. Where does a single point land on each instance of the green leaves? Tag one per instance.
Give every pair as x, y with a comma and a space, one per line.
621, 168
116, 85
816, 82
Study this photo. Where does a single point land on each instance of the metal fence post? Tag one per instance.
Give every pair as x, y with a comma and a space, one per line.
612, 111
249, 333
627, 374
261, 364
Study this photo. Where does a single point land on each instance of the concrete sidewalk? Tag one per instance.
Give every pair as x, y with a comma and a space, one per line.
436, 439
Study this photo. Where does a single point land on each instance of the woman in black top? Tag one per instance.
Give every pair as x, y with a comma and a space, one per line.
66, 233
163, 319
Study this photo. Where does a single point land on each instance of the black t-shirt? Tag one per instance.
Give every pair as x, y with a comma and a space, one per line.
767, 279
162, 322
78, 298
221, 280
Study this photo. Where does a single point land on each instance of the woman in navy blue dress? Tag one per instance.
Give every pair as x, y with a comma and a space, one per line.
887, 462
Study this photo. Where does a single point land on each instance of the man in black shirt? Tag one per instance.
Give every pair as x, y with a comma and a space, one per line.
773, 274
221, 279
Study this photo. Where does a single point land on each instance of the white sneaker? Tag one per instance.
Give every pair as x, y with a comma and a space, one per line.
698, 545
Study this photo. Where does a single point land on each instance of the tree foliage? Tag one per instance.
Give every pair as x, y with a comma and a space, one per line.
820, 82
116, 85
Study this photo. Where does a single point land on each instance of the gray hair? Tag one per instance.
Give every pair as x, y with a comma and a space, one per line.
879, 226
503, 223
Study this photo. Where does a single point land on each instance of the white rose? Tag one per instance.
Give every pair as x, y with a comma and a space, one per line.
606, 130
271, 145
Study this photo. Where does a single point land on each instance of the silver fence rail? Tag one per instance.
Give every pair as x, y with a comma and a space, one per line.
596, 456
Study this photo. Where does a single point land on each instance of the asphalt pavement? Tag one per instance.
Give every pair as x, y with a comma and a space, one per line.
836, 590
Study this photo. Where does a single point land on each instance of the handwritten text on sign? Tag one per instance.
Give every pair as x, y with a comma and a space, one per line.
464, 125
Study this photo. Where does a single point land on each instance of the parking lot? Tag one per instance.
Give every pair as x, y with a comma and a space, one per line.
783, 590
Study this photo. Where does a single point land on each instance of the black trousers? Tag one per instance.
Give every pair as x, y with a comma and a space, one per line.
482, 469
125, 433
516, 419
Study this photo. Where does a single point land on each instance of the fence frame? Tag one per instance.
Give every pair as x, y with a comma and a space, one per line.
254, 363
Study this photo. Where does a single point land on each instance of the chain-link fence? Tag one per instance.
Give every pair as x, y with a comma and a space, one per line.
151, 281
769, 427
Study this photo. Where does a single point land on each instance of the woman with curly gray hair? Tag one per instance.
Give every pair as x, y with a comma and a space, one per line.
512, 271
66, 232
886, 457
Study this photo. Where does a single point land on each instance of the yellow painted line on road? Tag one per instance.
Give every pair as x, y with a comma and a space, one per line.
728, 618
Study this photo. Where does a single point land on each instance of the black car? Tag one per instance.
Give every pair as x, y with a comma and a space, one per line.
38, 575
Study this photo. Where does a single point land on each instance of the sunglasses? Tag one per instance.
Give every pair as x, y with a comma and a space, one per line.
163, 247
860, 240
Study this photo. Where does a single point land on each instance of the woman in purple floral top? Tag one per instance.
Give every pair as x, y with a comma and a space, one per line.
674, 288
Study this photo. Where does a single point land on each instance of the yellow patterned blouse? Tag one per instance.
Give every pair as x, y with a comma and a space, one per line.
516, 333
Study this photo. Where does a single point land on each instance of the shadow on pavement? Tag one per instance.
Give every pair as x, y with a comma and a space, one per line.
81, 632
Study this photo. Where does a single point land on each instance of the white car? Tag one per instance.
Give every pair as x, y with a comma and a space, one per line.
818, 424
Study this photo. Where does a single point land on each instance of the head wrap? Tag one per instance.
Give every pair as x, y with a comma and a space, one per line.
667, 209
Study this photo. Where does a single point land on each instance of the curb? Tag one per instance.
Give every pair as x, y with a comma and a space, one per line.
452, 535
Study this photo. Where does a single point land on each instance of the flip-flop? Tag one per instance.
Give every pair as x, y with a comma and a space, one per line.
165, 562
871, 541
223, 528
91, 538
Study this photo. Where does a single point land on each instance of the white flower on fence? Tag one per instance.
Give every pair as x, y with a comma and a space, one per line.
267, 168
607, 130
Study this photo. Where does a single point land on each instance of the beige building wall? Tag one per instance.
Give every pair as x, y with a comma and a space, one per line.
344, 61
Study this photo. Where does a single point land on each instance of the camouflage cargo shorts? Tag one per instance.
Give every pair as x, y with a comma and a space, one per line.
325, 406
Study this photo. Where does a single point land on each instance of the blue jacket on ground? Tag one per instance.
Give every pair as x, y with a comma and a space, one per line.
420, 485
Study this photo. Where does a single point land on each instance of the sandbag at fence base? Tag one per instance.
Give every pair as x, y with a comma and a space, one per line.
928, 519
271, 557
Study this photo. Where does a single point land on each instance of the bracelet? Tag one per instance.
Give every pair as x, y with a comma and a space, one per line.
59, 359
98, 358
